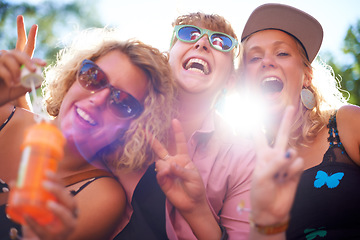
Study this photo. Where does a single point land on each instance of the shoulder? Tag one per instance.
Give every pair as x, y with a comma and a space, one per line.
108, 187
348, 110
101, 206
348, 119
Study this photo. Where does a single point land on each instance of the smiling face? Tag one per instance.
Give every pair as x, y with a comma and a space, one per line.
86, 119
274, 69
199, 68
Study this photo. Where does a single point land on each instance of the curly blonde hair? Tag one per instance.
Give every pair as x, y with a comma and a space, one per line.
130, 151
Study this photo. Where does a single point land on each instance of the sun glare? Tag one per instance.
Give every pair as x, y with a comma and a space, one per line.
243, 112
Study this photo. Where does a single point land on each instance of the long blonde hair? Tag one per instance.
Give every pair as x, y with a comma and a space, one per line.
132, 150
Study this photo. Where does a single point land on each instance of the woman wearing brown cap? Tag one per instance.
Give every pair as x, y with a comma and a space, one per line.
309, 167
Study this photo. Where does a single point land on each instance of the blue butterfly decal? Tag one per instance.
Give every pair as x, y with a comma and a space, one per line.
331, 181
313, 233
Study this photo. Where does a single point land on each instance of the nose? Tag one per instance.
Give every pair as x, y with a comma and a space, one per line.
203, 43
99, 98
268, 61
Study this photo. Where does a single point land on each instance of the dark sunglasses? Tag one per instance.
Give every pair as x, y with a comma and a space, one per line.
121, 103
218, 40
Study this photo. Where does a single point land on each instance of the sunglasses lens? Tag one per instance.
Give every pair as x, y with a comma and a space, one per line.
91, 77
123, 104
221, 42
188, 34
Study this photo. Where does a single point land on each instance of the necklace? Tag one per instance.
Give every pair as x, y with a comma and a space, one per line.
8, 119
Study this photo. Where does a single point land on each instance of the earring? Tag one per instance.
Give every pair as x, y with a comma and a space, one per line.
308, 98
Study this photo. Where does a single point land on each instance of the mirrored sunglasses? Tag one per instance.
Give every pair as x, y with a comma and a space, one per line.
218, 40
121, 103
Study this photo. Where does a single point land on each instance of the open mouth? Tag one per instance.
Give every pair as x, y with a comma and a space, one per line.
86, 117
197, 65
272, 85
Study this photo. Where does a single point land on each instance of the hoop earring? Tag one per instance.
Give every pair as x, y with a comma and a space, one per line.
308, 98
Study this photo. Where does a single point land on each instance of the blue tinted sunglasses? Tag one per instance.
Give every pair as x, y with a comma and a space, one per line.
121, 103
218, 40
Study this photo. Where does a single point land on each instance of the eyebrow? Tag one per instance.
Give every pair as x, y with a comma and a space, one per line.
276, 44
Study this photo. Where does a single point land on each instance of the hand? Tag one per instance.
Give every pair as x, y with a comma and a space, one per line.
177, 175
275, 177
64, 210
10, 71
10, 62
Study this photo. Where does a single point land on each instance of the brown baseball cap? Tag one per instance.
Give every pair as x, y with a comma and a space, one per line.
297, 23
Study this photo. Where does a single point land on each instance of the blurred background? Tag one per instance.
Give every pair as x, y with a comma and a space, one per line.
150, 21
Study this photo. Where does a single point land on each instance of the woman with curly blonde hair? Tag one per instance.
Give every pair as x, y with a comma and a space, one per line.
107, 96
158, 104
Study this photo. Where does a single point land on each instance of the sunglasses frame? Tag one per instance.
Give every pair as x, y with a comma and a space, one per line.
138, 107
203, 31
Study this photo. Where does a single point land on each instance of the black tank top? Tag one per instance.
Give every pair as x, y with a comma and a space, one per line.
327, 201
148, 218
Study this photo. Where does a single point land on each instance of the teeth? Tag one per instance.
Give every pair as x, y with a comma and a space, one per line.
197, 65
85, 116
271, 79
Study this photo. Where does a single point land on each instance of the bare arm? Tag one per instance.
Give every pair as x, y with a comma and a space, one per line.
276, 176
183, 186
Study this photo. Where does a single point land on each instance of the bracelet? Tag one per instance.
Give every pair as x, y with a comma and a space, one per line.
272, 229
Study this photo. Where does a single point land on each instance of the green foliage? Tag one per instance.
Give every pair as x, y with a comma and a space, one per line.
350, 73
54, 18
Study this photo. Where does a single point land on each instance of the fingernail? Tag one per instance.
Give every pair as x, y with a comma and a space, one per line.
287, 154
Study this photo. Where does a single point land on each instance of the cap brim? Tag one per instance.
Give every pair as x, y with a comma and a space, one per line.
289, 19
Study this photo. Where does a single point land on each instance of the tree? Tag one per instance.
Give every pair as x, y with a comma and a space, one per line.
350, 73
55, 20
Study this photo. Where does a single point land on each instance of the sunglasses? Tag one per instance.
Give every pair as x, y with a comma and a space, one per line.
218, 40
121, 103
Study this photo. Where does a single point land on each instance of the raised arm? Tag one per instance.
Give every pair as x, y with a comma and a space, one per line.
274, 184
183, 186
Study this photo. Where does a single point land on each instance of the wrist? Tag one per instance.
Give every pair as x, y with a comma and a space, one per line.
269, 229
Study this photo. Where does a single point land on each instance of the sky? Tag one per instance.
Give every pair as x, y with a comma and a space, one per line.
150, 20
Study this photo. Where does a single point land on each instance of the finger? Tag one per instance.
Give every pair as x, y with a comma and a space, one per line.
180, 140
15, 92
21, 32
282, 138
54, 186
32, 227
39, 62
159, 149
31, 41
296, 168
283, 164
163, 171
181, 172
66, 216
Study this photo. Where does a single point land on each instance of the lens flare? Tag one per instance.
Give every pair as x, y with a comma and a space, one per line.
243, 111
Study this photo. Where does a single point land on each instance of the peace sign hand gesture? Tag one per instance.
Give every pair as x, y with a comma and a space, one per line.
275, 177
177, 175
182, 184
